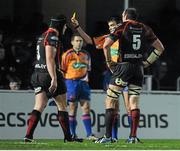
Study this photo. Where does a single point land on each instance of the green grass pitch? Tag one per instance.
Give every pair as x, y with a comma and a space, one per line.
47, 144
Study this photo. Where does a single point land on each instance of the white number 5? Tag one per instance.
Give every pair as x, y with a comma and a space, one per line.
136, 42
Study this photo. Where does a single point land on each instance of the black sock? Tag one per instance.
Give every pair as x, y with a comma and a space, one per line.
32, 123
63, 119
109, 117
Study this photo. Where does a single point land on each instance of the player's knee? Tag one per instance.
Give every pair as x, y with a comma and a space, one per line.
72, 108
62, 107
86, 107
40, 106
134, 103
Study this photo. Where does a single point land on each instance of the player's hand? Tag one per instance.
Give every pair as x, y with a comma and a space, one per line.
74, 22
53, 86
145, 64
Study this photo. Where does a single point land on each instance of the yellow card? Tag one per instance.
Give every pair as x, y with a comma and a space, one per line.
74, 15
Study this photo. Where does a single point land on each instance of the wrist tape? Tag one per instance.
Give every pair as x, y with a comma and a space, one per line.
153, 56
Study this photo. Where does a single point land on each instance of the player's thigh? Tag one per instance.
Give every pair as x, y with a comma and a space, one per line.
41, 82
113, 92
112, 98
38, 79
72, 90
61, 86
84, 91
117, 105
134, 94
125, 95
61, 102
134, 102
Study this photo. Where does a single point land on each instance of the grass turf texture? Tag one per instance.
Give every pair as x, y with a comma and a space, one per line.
45, 144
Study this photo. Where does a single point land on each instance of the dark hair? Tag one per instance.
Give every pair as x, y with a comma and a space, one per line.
131, 13
114, 18
58, 22
74, 35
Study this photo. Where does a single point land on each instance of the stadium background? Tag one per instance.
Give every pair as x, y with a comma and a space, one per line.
24, 20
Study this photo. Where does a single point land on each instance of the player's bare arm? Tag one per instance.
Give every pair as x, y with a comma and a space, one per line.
106, 48
51, 66
158, 45
85, 36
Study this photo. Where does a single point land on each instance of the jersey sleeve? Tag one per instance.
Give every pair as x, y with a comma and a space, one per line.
99, 41
116, 34
113, 36
52, 39
149, 34
64, 62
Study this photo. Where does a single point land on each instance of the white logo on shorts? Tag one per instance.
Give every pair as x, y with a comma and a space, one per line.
54, 38
120, 82
38, 89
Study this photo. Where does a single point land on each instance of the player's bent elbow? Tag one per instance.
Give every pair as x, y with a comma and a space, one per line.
105, 46
158, 46
162, 48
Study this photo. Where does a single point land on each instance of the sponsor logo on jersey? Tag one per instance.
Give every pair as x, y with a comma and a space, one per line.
114, 52
135, 28
40, 66
133, 56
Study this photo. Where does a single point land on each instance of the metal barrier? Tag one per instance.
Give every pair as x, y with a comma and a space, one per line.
147, 85
178, 84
